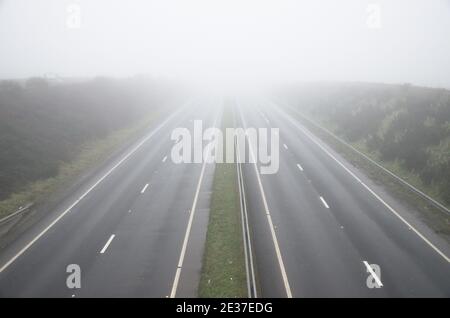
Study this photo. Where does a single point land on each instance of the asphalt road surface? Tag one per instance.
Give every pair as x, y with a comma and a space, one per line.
128, 229
319, 227
319, 224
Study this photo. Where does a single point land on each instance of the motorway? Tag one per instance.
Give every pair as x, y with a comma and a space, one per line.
137, 226
127, 227
321, 224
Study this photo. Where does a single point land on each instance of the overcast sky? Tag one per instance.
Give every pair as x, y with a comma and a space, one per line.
218, 41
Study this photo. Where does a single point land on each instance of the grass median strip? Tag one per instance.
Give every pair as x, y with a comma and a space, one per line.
223, 273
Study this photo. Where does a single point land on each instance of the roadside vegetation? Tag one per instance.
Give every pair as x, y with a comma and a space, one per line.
404, 128
50, 134
223, 273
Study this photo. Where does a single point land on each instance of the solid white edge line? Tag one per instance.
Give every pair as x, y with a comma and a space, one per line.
144, 188
188, 228
324, 202
391, 209
37, 237
269, 220
299, 167
264, 117
374, 275
241, 199
107, 243
250, 269
250, 249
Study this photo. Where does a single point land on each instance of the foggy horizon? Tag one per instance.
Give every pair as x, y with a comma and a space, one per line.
229, 43
216, 156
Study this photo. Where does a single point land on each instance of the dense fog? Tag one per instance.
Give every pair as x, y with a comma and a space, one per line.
229, 42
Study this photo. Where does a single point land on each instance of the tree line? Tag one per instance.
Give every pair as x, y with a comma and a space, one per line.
43, 124
404, 124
